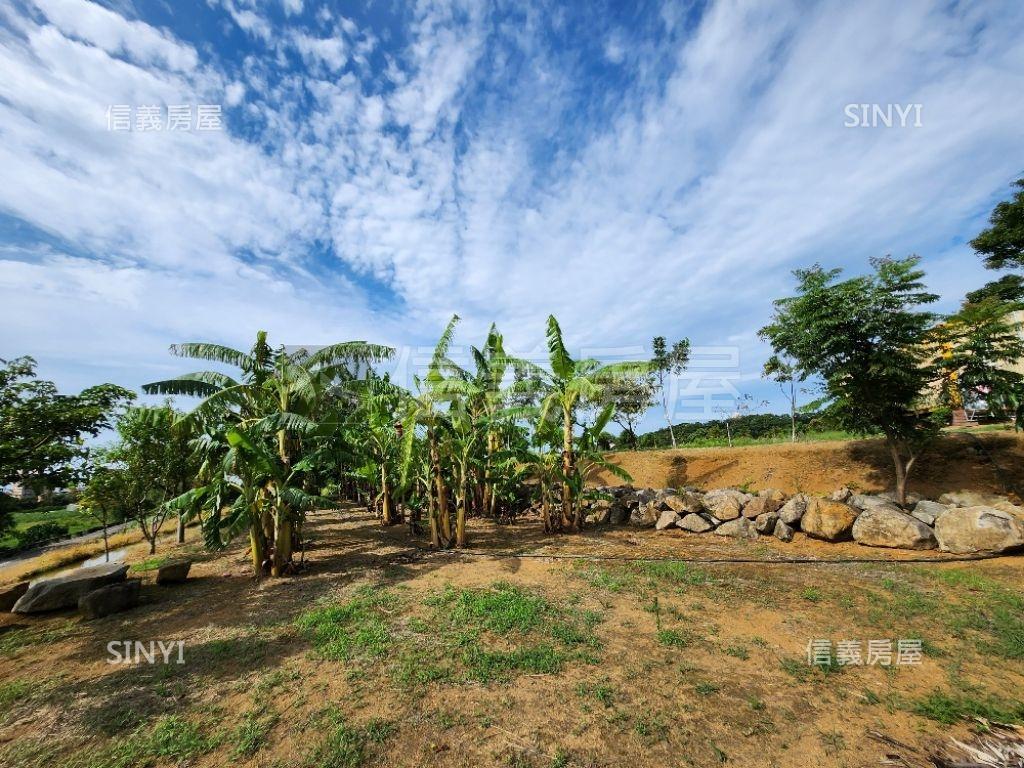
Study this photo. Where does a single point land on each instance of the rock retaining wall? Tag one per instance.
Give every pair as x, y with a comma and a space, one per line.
962, 522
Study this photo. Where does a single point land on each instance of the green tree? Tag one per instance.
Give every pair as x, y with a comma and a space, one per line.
149, 465
1002, 244
277, 397
42, 432
632, 397
665, 364
980, 344
784, 373
868, 340
566, 385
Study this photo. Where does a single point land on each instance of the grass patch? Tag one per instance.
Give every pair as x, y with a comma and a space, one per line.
672, 572
251, 734
151, 564
344, 745
359, 627
14, 692
15, 639
989, 608
674, 638
949, 709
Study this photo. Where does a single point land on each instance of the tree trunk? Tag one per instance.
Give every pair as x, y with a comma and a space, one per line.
435, 540
257, 548
567, 468
282, 543
902, 469
668, 419
386, 503
460, 517
792, 411
444, 521
181, 529
106, 543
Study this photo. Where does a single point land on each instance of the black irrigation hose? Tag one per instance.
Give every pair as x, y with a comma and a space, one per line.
698, 560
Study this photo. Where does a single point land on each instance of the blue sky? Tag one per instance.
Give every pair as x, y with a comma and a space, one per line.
634, 168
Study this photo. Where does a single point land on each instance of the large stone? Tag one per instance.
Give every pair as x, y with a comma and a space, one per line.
775, 494
10, 595
912, 498
695, 523
684, 503
966, 530
65, 591
173, 572
725, 505
759, 505
645, 515
843, 494
968, 498
765, 523
885, 525
863, 501
668, 519
791, 512
828, 520
740, 528
928, 511
783, 532
112, 598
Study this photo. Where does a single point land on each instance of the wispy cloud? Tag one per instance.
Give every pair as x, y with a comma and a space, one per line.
660, 173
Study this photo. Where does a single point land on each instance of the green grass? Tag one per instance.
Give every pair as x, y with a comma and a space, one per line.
251, 734
672, 572
988, 607
358, 627
604, 692
16, 639
13, 692
486, 634
76, 522
674, 638
948, 709
345, 745
151, 564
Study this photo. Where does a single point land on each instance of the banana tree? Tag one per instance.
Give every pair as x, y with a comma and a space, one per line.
567, 384
279, 397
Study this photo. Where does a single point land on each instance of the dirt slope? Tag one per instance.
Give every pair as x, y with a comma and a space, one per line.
985, 462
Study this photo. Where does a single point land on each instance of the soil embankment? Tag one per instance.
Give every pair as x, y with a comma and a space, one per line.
992, 463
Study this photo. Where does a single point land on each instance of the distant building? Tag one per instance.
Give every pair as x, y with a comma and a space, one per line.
21, 492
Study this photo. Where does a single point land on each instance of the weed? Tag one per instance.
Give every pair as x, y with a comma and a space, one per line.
707, 689
948, 709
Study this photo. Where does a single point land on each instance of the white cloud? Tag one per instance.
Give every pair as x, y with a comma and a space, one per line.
470, 175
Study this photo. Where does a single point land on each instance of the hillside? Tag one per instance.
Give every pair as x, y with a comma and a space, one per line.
983, 462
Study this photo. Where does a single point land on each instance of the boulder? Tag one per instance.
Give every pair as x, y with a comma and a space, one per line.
684, 503
599, 513
928, 511
783, 532
791, 512
65, 591
112, 598
912, 498
10, 595
725, 505
775, 494
829, 520
740, 528
760, 505
644, 515
695, 523
765, 523
863, 501
668, 519
885, 525
967, 498
841, 494
966, 530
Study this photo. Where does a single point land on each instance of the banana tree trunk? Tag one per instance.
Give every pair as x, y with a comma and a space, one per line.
435, 540
258, 549
386, 502
568, 466
444, 521
282, 543
460, 515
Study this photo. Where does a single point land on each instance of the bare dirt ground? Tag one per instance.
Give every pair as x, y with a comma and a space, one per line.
992, 463
527, 651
